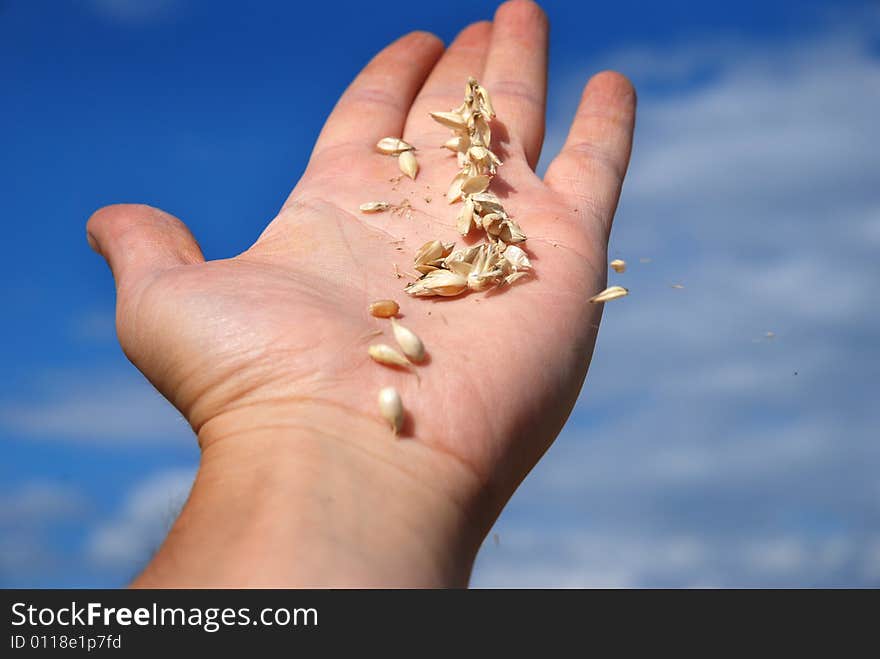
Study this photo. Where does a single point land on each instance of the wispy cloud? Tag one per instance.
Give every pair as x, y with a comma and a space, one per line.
125, 542
94, 326
570, 559
94, 407
29, 512
704, 452
37, 503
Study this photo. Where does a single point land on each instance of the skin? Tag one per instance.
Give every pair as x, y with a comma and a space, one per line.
301, 481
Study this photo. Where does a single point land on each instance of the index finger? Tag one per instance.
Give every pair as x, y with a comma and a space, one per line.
377, 102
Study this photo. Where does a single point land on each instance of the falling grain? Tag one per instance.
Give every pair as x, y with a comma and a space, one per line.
610, 293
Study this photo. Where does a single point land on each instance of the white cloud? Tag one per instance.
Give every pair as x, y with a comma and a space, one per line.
126, 542
95, 325
701, 451
23, 556
95, 407
35, 503
27, 512
576, 559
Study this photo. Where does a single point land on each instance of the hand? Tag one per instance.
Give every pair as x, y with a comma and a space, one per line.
302, 482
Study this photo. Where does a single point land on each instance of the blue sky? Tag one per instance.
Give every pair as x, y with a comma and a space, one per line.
702, 451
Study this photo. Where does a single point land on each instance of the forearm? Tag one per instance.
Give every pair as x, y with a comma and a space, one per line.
291, 505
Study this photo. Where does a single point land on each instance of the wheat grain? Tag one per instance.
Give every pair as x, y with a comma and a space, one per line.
409, 342
610, 293
374, 207
384, 308
391, 408
385, 354
408, 164
392, 146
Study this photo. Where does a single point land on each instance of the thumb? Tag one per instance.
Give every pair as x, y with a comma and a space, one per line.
139, 241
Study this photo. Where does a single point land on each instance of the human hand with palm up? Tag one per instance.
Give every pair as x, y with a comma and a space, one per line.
302, 483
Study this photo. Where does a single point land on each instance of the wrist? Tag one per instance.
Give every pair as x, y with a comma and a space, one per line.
292, 502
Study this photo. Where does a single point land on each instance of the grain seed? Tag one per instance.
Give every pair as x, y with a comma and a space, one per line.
517, 258
610, 293
391, 408
432, 252
384, 308
438, 282
392, 146
409, 342
374, 207
485, 101
459, 143
453, 194
475, 184
492, 223
450, 119
408, 164
385, 354
466, 217
513, 277
511, 233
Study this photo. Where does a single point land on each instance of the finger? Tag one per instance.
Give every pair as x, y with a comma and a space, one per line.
444, 88
589, 171
375, 105
139, 241
516, 73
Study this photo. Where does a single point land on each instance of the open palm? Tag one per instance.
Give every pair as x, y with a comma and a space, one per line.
254, 341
